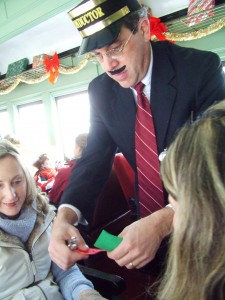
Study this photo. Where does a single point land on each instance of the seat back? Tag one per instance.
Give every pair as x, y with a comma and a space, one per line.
112, 212
125, 175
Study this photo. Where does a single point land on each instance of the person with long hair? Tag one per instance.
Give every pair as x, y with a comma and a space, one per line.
193, 173
26, 270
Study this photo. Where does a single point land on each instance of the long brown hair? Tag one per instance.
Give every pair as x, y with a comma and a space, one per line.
193, 173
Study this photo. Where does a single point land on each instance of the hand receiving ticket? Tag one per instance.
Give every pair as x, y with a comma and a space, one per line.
105, 241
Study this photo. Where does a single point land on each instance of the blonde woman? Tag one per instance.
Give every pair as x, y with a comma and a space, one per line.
26, 270
193, 173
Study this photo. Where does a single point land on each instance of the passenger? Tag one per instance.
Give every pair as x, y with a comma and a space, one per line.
46, 173
25, 223
193, 173
62, 177
180, 83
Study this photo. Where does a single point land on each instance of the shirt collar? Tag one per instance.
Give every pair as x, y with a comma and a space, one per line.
147, 79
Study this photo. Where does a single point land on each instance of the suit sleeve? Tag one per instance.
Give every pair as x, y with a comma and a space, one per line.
211, 82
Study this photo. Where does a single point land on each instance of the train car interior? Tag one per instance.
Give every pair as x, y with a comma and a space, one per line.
46, 111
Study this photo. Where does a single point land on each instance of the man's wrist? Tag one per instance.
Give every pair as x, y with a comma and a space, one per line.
164, 219
66, 214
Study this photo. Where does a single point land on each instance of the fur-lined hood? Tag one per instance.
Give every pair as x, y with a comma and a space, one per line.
43, 220
25, 268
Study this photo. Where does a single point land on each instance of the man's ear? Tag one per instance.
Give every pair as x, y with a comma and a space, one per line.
144, 28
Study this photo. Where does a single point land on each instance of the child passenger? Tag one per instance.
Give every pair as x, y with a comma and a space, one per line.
46, 173
193, 173
26, 270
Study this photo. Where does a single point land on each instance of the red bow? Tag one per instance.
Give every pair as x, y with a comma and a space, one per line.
157, 29
52, 66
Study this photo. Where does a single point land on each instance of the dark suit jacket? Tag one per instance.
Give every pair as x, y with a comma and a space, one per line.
184, 83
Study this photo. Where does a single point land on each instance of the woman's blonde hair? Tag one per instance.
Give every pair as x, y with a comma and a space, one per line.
193, 173
7, 149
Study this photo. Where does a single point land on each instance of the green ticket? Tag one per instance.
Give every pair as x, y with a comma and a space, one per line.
107, 241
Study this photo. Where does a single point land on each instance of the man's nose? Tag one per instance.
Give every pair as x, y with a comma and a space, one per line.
109, 63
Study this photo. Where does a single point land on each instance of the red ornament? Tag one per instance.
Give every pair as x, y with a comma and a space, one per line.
157, 29
52, 66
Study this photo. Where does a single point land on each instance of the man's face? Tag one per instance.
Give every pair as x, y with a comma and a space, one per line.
131, 67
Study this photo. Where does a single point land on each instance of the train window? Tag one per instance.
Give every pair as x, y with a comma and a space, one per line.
4, 123
73, 113
32, 126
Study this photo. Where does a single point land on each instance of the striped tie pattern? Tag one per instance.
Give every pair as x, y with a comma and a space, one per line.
150, 189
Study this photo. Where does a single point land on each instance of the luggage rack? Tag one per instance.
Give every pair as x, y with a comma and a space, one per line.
37, 75
208, 18
212, 20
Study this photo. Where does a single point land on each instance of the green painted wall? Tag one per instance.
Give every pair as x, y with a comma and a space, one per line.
46, 92
214, 42
17, 16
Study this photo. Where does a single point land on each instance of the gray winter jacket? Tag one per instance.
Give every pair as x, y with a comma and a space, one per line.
25, 273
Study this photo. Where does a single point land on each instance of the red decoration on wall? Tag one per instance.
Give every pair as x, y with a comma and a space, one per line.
157, 29
52, 66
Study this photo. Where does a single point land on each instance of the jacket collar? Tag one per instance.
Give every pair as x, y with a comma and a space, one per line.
163, 87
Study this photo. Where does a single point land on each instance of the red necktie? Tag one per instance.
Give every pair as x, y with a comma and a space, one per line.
150, 189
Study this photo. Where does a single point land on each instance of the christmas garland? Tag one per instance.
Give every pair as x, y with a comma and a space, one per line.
8, 85
196, 34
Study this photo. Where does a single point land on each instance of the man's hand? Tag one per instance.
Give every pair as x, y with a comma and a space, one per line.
62, 232
142, 239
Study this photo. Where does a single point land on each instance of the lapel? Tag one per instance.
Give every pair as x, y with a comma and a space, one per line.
124, 107
163, 92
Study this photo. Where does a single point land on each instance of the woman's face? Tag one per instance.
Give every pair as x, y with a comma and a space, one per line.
174, 204
13, 187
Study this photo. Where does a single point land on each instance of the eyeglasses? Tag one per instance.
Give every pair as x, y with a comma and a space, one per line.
112, 53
